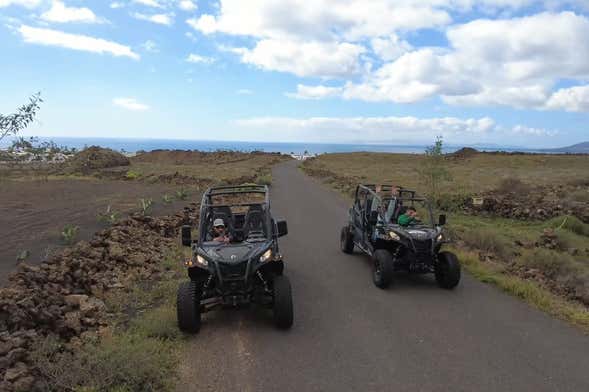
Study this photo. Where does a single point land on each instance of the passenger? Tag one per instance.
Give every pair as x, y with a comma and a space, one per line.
220, 232
410, 216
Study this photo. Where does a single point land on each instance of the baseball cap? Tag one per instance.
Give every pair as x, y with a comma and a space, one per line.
218, 222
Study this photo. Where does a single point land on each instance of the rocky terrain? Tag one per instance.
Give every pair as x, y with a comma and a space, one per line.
64, 296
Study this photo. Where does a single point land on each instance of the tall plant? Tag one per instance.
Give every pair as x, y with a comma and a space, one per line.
14, 123
433, 171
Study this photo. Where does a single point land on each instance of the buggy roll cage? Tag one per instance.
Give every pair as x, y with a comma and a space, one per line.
403, 195
207, 205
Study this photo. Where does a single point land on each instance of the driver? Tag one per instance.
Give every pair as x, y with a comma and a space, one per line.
220, 231
409, 217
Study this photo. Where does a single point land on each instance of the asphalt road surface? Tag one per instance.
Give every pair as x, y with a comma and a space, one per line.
349, 335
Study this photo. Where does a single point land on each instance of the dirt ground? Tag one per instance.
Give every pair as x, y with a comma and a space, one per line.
33, 213
36, 202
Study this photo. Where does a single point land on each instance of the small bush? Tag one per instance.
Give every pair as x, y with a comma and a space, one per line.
489, 241
132, 175
570, 223
69, 233
265, 179
127, 362
158, 323
452, 203
145, 205
109, 216
181, 194
167, 199
515, 185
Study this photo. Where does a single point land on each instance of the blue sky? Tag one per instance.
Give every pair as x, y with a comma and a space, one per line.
362, 71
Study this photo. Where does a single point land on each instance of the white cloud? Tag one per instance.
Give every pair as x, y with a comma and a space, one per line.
24, 3
307, 58
149, 3
86, 43
573, 99
60, 13
187, 5
385, 129
513, 62
130, 104
390, 48
116, 5
163, 19
150, 46
314, 92
198, 59
369, 129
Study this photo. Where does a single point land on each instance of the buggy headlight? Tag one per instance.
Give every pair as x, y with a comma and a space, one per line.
394, 236
440, 237
266, 256
202, 261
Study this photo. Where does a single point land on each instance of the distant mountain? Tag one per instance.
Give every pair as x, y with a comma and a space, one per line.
579, 148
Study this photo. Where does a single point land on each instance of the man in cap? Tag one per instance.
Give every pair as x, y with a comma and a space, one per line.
220, 231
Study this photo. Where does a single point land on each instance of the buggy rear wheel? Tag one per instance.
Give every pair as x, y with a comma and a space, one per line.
188, 307
447, 270
382, 270
283, 309
347, 240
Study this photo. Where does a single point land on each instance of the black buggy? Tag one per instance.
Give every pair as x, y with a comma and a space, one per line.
246, 270
416, 248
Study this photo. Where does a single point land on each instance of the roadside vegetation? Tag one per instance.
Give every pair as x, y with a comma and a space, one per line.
528, 231
139, 351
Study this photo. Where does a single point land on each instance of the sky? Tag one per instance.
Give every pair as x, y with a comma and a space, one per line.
504, 72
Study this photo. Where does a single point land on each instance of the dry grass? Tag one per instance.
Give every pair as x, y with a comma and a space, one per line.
476, 174
528, 291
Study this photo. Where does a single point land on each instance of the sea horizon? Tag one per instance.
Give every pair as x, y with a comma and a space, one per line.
132, 145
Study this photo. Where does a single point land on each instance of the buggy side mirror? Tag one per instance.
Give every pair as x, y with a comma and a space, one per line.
442, 220
282, 228
186, 235
373, 218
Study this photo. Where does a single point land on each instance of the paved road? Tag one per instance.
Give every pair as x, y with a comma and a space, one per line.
350, 336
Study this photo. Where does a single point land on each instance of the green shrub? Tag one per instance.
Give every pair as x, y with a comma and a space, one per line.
158, 323
488, 240
181, 194
109, 216
265, 179
145, 205
69, 233
167, 199
570, 223
556, 265
132, 175
128, 362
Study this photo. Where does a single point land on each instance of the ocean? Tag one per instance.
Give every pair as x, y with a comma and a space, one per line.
133, 145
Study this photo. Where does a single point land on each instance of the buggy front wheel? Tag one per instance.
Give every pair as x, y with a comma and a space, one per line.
347, 240
188, 307
282, 307
382, 268
447, 270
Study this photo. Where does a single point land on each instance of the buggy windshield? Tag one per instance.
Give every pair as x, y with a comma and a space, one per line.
243, 222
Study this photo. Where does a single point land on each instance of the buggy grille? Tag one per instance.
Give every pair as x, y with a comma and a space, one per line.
423, 247
232, 271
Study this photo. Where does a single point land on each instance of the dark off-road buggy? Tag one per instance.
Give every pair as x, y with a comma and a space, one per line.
246, 270
416, 248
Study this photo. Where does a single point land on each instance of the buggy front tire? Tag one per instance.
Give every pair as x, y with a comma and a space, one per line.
188, 307
347, 240
447, 270
382, 268
282, 307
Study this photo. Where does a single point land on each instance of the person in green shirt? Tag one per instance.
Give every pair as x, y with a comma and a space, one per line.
410, 216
